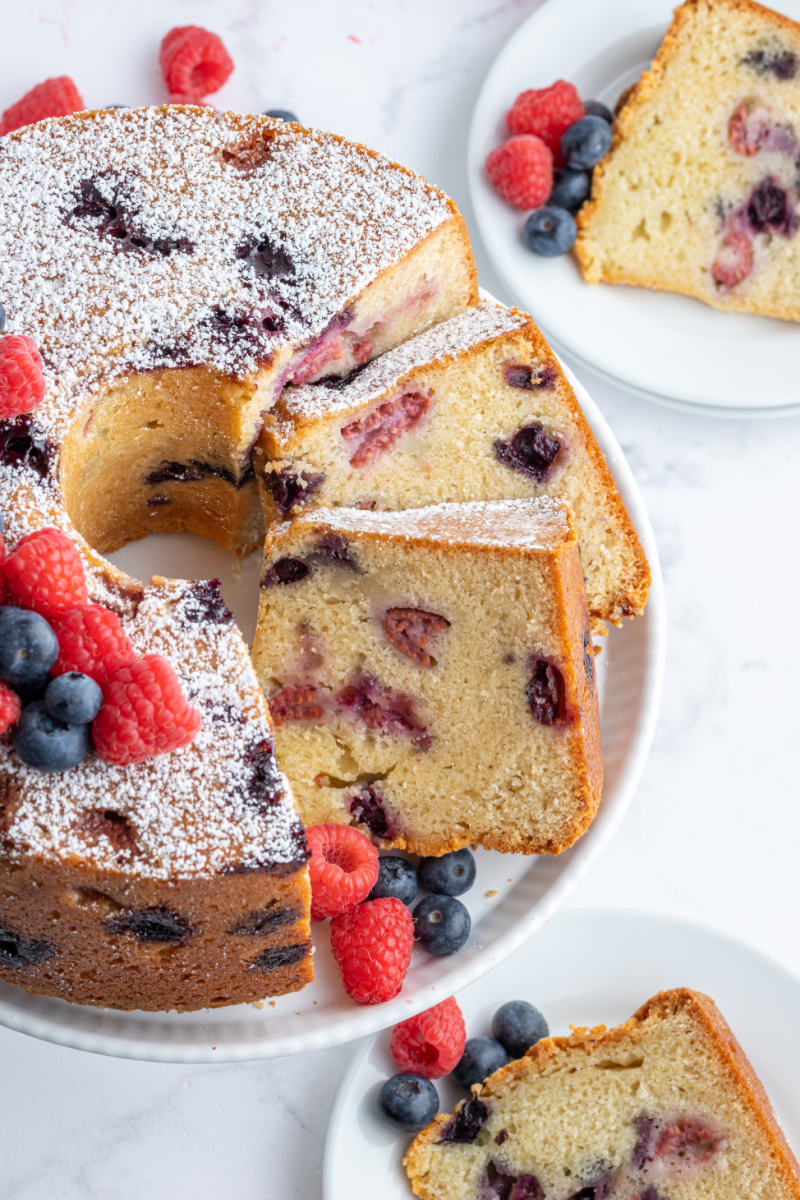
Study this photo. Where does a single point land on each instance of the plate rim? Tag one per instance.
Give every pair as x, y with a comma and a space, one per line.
676, 921
476, 186
361, 1022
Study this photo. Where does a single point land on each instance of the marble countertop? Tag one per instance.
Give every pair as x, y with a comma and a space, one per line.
711, 834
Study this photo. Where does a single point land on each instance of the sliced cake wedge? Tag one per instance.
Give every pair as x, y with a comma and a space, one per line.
430, 673
477, 408
665, 1106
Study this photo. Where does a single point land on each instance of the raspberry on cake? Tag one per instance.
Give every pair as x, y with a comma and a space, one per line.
489, 731
476, 409
664, 1106
699, 193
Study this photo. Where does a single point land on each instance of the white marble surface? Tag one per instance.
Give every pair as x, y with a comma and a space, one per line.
713, 832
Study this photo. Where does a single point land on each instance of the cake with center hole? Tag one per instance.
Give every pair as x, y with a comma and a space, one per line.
176, 267
430, 673
664, 1107
477, 408
699, 193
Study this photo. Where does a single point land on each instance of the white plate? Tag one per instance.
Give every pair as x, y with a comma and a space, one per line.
586, 968
524, 892
663, 347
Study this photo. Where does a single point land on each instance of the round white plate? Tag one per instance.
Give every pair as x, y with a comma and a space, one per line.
585, 968
512, 897
663, 347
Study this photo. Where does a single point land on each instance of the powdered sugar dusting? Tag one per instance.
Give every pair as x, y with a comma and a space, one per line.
444, 341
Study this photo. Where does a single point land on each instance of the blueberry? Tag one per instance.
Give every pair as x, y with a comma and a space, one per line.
584, 143
282, 114
2, 317
570, 188
47, 744
28, 646
441, 924
482, 1056
450, 875
549, 231
73, 698
594, 108
397, 880
407, 1102
517, 1025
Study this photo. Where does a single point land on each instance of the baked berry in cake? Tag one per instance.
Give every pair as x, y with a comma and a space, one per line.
475, 409
428, 675
663, 1107
699, 193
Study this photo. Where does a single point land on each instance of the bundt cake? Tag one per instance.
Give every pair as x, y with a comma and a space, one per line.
699, 193
176, 267
477, 408
665, 1106
430, 673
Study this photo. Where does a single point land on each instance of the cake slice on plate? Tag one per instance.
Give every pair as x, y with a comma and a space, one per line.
430, 673
663, 1106
699, 193
477, 408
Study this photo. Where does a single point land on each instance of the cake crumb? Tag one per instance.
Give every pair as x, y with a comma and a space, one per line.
493, 892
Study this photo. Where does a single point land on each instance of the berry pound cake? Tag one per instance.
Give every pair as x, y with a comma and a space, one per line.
475, 409
699, 193
175, 267
665, 1106
430, 673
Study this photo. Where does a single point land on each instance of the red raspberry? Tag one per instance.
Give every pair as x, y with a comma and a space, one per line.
431, 1043
546, 113
45, 573
372, 945
194, 63
10, 707
91, 640
522, 171
54, 98
144, 713
343, 868
21, 378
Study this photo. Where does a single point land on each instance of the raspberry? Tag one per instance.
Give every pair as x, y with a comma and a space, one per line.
21, 378
343, 869
10, 707
194, 62
144, 713
296, 704
522, 171
546, 113
431, 1043
45, 573
413, 632
372, 945
54, 98
734, 262
92, 641
380, 430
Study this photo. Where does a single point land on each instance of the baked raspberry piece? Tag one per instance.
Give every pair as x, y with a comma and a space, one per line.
194, 62
21, 378
144, 713
343, 869
521, 171
91, 640
56, 97
432, 1042
372, 945
45, 573
546, 113
10, 707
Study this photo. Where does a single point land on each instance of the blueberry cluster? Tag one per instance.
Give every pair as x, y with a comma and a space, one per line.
53, 732
409, 1102
551, 229
442, 923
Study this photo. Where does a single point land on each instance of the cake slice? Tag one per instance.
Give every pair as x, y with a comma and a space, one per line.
663, 1106
477, 408
430, 673
699, 193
